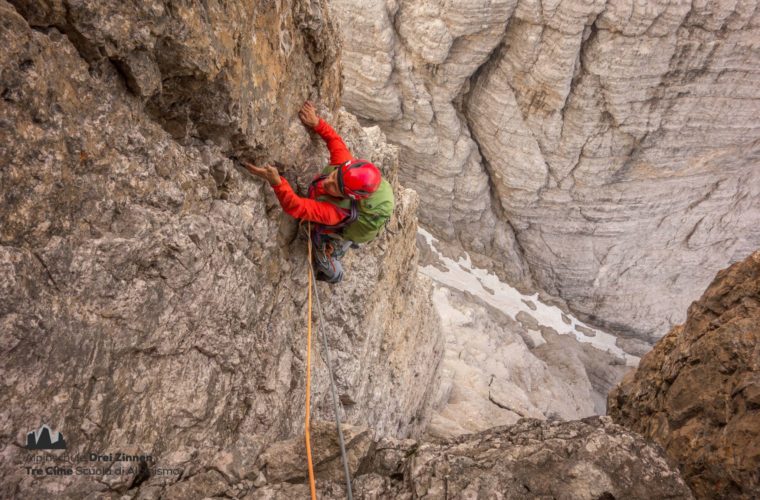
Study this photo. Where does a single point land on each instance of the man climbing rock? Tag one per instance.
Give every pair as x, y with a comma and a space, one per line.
349, 202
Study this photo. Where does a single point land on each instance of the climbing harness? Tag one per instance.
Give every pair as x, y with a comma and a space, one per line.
333, 391
363, 218
351, 213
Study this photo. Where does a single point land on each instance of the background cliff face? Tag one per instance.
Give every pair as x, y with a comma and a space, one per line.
510, 355
607, 151
697, 393
153, 294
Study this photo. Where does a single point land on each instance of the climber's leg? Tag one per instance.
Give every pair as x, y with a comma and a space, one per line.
327, 254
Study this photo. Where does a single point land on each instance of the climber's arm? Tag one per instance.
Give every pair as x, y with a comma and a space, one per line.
320, 212
339, 153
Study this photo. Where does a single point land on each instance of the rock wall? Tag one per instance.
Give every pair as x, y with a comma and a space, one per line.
697, 393
234, 72
492, 377
500, 365
592, 458
605, 151
152, 294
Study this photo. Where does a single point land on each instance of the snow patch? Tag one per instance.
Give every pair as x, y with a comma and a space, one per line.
463, 276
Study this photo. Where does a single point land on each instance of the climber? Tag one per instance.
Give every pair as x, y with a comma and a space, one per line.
349, 201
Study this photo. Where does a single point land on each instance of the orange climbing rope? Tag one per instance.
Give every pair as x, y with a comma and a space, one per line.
333, 390
312, 486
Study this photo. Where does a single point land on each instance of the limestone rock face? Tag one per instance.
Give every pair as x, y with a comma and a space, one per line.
152, 294
592, 458
509, 355
406, 67
493, 373
234, 72
606, 151
697, 393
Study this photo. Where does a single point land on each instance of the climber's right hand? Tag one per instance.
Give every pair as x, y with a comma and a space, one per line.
267, 172
308, 115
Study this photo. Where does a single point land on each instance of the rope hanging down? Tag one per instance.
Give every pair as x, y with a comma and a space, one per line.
328, 362
312, 486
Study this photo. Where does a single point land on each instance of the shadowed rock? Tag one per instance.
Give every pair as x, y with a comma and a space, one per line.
697, 393
153, 295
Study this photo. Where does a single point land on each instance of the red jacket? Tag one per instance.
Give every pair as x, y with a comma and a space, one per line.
309, 209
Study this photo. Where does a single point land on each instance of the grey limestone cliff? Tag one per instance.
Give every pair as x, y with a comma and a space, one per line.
153, 297
607, 152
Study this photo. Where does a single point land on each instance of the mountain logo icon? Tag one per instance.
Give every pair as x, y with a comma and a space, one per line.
45, 439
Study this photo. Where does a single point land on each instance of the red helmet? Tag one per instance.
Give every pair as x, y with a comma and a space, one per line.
358, 179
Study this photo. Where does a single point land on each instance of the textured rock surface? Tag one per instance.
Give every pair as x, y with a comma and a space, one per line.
697, 393
607, 150
492, 374
406, 65
510, 355
235, 72
588, 459
152, 296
